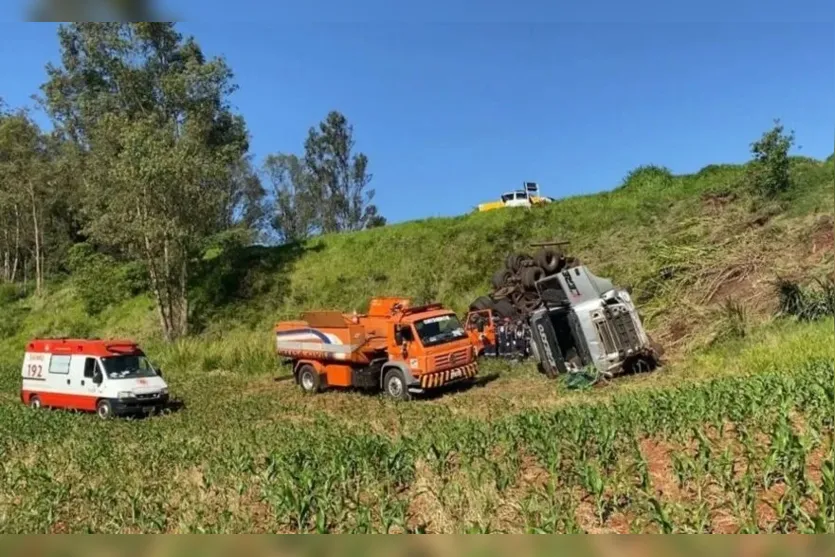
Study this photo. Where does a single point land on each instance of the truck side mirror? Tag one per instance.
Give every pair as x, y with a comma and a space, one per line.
159, 372
97, 377
398, 335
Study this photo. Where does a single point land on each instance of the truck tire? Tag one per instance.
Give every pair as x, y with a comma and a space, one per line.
104, 410
481, 303
394, 384
550, 259
504, 308
516, 261
309, 379
35, 402
528, 302
500, 278
530, 275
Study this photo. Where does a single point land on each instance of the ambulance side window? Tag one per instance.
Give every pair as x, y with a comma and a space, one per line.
59, 364
90, 367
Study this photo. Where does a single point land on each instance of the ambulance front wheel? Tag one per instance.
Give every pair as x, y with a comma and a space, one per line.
104, 410
34, 402
309, 379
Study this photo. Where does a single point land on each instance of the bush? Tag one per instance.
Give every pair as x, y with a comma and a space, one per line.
11, 293
806, 304
102, 281
770, 173
648, 176
733, 322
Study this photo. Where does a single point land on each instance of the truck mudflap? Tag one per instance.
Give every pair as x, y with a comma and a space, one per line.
433, 380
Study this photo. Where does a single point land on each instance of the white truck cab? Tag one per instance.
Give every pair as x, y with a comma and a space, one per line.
109, 377
516, 199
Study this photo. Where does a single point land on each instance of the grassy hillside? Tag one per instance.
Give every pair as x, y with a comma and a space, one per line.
734, 435
687, 245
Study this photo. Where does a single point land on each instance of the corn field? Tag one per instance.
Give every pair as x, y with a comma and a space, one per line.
732, 454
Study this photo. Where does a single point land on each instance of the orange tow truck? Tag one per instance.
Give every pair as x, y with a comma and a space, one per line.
397, 347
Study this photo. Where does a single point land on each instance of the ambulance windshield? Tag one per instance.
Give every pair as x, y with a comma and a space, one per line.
127, 367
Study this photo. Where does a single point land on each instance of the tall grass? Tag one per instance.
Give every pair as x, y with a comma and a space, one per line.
807, 303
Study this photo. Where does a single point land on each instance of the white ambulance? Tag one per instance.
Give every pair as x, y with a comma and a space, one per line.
109, 377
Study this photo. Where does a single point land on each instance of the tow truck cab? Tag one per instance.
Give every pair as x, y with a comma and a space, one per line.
109, 377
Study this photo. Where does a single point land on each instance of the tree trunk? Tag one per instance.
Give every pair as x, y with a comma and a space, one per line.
16, 243
7, 261
170, 298
183, 294
37, 241
157, 290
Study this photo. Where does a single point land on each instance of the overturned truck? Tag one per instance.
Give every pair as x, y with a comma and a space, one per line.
571, 320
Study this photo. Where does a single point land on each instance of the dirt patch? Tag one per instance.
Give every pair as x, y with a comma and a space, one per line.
766, 515
814, 465
734, 282
715, 202
657, 455
822, 235
425, 512
620, 523
586, 518
722, 521
532, 474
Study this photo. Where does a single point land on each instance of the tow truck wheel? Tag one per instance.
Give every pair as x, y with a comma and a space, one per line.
394, 383
34, 402
309, 379
104, 410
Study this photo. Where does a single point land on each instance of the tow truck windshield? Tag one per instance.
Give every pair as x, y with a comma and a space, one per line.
440, 329
127, 367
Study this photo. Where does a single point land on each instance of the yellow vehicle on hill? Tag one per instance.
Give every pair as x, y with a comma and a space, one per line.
527, 197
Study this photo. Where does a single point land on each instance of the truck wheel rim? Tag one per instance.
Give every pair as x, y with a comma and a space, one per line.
36, 403
307, 381
395, 387
103, 411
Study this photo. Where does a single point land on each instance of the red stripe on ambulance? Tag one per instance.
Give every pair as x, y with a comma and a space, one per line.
62, 400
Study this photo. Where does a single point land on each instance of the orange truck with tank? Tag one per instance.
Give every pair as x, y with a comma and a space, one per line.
397, 347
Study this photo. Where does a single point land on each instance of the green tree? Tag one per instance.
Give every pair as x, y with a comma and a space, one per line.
162, 155
294, 215
771, 168
25, 186
339, 178
374, 219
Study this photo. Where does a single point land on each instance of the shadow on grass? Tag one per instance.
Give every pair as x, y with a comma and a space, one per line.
172, 407
239, 274
456, 388
432, 394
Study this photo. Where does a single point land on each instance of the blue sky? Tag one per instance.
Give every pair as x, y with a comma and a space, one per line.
454, 107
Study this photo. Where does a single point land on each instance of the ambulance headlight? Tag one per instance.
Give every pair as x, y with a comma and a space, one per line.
164, 391
125, 394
